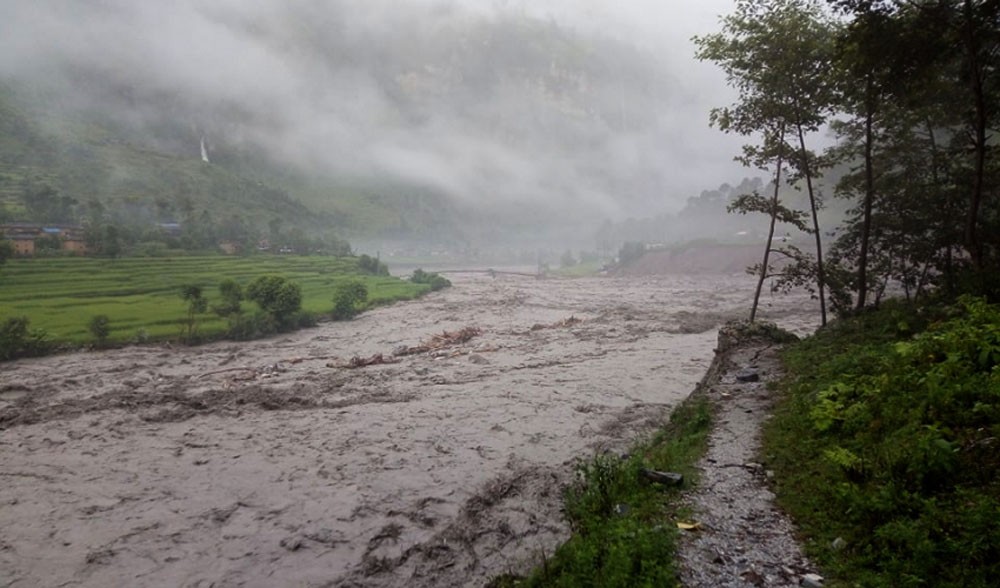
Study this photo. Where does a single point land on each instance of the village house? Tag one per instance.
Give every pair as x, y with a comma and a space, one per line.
24, 235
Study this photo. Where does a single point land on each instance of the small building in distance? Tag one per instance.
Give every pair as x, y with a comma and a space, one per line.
23, 236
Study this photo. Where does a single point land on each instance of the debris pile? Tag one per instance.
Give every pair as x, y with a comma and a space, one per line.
563, 324
441, 341
377, 359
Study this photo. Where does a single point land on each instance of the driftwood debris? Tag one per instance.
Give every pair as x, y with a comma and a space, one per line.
665, 478
440, 341
377, 359
568, 322
253, 372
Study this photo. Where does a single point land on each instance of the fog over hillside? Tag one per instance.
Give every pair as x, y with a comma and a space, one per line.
562, 112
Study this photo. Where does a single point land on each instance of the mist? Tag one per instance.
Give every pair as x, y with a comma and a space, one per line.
561, 112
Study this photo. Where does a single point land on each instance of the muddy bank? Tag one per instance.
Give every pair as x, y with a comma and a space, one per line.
273, 463
696, 259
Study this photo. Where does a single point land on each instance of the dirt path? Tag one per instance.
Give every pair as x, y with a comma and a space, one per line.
269, 463
743, 539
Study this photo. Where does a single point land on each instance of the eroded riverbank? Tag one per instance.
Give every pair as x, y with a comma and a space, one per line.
270, 463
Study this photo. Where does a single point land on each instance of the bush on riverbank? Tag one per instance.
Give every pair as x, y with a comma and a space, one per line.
434, 280
888, 440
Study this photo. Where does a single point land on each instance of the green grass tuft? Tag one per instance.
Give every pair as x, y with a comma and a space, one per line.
624, 527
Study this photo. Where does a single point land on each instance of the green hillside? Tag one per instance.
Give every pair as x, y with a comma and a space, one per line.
86, 160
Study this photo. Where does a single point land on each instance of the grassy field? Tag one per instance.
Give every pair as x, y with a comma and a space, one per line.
141, 294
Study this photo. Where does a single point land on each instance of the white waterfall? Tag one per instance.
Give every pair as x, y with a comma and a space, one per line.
204, 152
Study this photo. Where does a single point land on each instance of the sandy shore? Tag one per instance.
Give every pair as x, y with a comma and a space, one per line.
269, 463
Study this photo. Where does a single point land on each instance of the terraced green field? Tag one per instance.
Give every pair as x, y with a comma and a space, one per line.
140, 295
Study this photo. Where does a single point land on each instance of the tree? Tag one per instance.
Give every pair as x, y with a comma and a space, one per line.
111, 244
196, 304
346, 299
6, 251
18, 340
276, 296
776, 212
434, 280
100, 327
371, 265
940, 63
232, 295
44, 204
776, 53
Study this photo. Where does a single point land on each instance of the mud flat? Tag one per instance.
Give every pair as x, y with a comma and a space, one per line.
274, 463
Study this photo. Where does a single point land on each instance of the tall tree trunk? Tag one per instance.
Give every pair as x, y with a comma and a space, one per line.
976, 74
770, 232
820, 275
866, 225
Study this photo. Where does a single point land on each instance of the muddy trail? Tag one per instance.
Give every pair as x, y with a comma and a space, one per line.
423, 444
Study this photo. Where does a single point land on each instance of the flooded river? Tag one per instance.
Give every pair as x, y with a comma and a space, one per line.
275, 463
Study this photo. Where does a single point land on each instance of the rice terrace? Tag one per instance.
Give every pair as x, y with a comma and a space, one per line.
140, 295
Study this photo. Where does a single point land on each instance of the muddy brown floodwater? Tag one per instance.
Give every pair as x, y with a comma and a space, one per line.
271, 463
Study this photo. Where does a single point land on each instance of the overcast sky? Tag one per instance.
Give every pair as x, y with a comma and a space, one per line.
245, 50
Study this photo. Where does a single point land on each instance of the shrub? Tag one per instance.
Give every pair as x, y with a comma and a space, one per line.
347, 298
889, 442
232, 295
276, 296
17, 340
244, 327
631, 251
371, 265
197, 304
100, 327
435, 281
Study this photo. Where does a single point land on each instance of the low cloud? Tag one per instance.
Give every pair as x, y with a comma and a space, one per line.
592, 108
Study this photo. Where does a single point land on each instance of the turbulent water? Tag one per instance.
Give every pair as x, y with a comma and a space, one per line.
277, 463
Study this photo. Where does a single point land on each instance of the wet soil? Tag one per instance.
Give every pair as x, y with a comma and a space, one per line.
275, 463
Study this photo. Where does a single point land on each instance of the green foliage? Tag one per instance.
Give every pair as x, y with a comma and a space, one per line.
888, 440
48, 243
347, 298
747, 203
44, 204
18, 340
631, 251
196, 304
623, 527
6, 250
777, 54
100, 327
434, 280
232, 295
276, 296
248, 326
371, 265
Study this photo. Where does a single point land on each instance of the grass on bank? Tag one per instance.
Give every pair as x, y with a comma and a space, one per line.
624, 528
141, 295
888, 439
